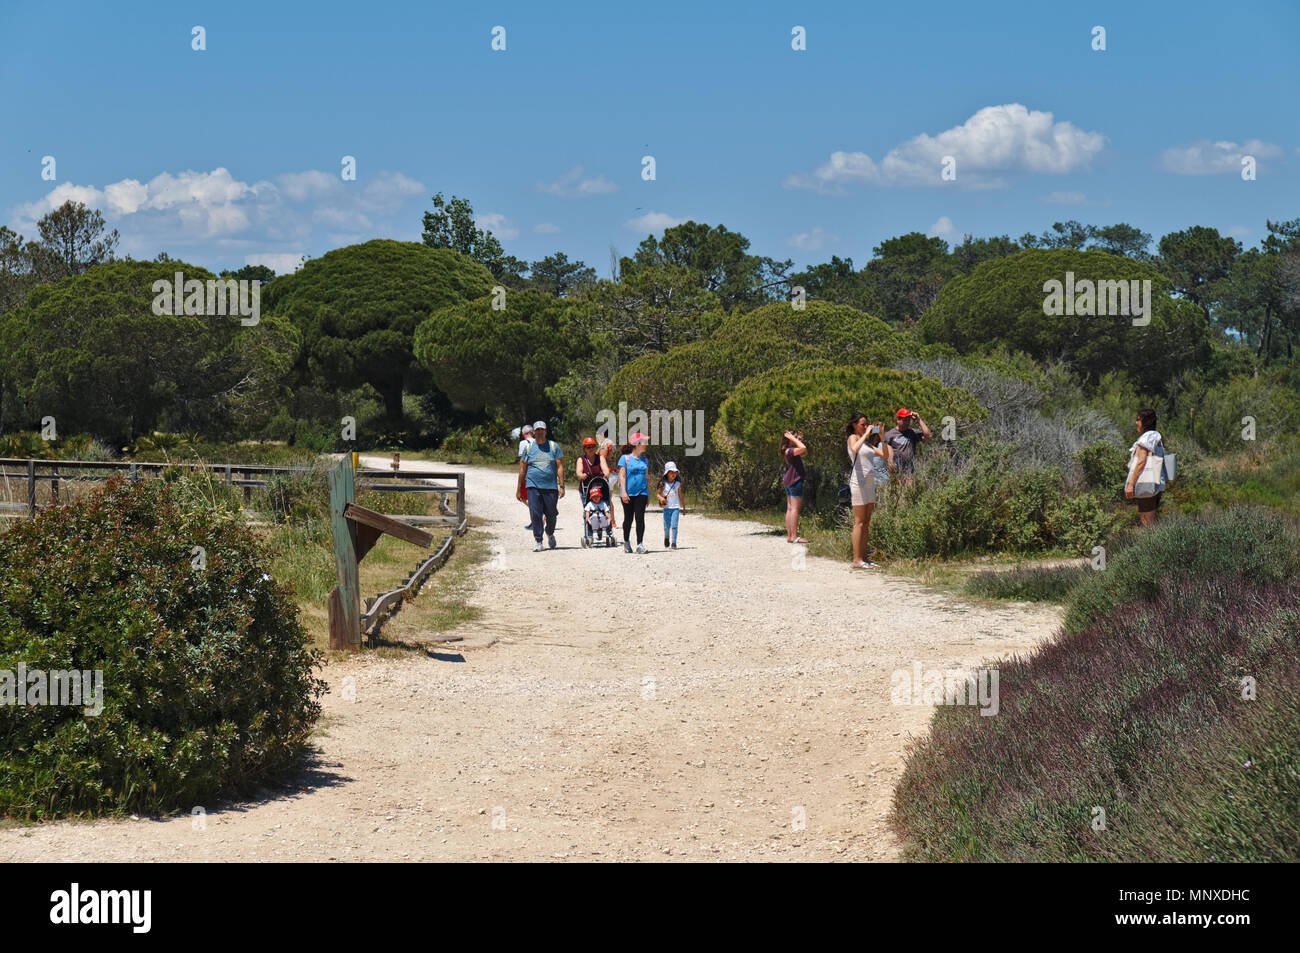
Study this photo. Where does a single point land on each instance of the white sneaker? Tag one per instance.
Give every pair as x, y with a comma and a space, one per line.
538, 548
641, 549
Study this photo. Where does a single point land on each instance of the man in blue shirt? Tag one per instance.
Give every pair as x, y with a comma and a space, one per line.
541, 470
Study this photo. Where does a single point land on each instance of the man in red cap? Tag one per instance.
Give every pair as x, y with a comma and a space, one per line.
904, 439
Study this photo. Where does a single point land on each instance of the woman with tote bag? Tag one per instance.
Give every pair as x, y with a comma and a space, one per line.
1146, 468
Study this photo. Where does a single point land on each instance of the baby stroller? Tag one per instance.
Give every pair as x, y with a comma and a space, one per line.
596, 483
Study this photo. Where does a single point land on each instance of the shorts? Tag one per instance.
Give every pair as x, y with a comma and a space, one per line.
862, 492
795, 490
1149, 504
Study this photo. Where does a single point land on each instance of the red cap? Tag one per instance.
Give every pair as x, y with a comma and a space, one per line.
595, 493
589, 442
903, 412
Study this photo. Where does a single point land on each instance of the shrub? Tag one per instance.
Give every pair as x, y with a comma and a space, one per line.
1104, 467
818, 398
1139, 708
1250, 541
981, 495
208, 683
1028, 583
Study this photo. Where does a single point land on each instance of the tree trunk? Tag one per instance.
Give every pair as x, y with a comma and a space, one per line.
392, 394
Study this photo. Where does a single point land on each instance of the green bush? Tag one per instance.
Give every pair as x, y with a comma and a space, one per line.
208, 683
1138, 707
818, 398
978, 496
1104, 467
1028, 583
1249, 541
699, 375
490, 441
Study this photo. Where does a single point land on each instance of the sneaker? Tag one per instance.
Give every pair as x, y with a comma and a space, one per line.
665, 542
538, 547
641, 549
550, 541
627, 547
673, 546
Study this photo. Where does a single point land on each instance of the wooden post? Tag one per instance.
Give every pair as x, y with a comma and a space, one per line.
31, 488
347, 607
54, 484
460, 499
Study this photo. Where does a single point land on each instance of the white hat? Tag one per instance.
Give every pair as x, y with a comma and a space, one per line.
526, 428
669, 467
540, 425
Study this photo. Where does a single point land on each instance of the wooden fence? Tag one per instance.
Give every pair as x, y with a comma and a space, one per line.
247, 476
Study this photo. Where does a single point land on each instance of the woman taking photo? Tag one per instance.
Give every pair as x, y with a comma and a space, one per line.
862, 483
792, 452
634, 489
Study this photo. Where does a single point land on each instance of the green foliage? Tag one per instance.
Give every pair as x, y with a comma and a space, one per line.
488, 441
699, 375
714, 259
818, 398
1187, 768
1001, 303
208, 683
1028, 583
502, 361
1105, 468
1243, 541
357, 309
982, 496
89, 351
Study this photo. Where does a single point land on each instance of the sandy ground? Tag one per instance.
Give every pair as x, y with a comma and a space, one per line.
724, 701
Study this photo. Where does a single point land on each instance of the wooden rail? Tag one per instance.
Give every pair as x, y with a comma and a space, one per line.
24, 470
386, 603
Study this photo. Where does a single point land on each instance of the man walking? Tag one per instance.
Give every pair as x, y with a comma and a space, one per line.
903, 440
541, 474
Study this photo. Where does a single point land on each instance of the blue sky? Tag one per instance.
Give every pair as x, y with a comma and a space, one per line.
233, 154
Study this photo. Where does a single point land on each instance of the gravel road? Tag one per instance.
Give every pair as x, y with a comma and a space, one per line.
724, 701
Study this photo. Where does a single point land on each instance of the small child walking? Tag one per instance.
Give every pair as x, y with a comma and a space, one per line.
670, 498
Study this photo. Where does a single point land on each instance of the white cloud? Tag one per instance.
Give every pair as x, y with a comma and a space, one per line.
1008, 138
281, 263
1072, 197
126, 197
572, 184
943, 228
811, 240
1204, 157
546, 228
1239, 231
176, 211
652, 222
497, 224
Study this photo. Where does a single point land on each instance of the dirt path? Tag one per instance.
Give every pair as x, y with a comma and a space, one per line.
677, 705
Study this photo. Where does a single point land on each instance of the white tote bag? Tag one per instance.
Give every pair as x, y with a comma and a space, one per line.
1152, 478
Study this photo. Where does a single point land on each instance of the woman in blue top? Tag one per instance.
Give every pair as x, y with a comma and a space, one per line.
634, 488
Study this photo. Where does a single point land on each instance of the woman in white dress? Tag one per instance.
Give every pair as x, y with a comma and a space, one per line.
862, 485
